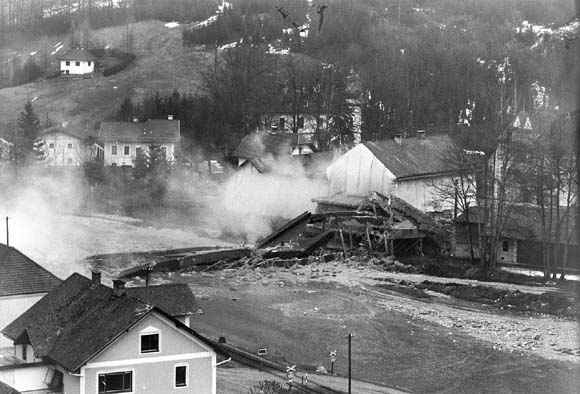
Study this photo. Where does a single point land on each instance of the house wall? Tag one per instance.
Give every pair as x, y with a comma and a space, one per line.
154, 372
423, 193
359, 172
71, 383
13, 306
121, 159
66, 151
509, 256
28, 378
83, 67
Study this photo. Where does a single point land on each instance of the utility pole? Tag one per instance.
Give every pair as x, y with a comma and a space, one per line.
349, 363
7, 233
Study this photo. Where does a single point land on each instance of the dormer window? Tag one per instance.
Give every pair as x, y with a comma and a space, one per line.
150, 343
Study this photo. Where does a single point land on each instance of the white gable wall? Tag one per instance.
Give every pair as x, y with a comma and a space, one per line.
359, 172
64, 150
76, 67
153, 373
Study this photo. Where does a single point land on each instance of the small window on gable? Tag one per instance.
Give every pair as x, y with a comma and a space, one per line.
69, 146
149, 343
505, 246
77, 64
181, 375
114, 149
24, 352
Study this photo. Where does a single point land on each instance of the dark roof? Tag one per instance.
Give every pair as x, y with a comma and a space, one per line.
20, 275
5, 389
175, 299
262, 144
78, 319
413, 157
523, 221
79, 54
60, 130
153, 131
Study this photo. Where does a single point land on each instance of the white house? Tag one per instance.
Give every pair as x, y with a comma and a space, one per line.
84, 337
22, 283
77, 61
123, 140
63, 148
409, 168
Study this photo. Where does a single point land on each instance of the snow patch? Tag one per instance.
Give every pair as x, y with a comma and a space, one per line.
172, 25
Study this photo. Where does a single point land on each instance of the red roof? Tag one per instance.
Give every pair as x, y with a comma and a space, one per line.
20, 275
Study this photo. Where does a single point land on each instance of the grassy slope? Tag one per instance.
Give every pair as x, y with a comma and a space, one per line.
162, 64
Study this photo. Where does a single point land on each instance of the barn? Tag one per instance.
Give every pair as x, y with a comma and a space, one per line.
409, 168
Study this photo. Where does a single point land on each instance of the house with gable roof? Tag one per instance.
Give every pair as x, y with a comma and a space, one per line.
409, 168
88, 338
23, 282
122, 141
77, 61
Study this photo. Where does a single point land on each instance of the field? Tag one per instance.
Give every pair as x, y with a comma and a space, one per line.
162, 64
409, 344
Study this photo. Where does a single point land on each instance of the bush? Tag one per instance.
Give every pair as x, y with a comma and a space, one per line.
268, 387
124, 60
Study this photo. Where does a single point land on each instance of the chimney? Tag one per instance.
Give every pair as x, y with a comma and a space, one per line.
170, 117
421, 134
96, 277
119, 287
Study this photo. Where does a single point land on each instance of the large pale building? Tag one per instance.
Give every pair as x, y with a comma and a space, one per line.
413, 169
122, 141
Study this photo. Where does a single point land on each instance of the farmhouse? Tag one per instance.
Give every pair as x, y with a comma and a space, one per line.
522, 235
22, 283
64, 148
409, 168
77, 61
122, 141
85, 337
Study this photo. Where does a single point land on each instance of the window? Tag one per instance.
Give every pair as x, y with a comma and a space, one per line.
51, 145
300, 122
118, 382
181, 375
89, 63
282, 123
127, 150
69, 146
69, 161
114, 149
149, 343
505, 246
77, 64
67, 63
67, 71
